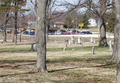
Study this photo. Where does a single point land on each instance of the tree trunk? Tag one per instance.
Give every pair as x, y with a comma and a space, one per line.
47, 32
48, 11
68, 25
13, 35
99, 30
115, 48
4, 33
117, 24
4, 27
41, 37
15, 28
103, 39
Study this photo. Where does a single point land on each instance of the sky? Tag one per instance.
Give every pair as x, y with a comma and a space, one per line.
60, 8
73, 2
69, 1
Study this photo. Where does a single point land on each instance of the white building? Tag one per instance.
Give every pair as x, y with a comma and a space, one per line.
92, 22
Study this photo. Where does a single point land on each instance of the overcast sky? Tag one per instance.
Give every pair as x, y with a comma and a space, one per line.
60, 8
68, 1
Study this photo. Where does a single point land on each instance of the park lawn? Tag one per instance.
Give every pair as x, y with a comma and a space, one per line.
75, 65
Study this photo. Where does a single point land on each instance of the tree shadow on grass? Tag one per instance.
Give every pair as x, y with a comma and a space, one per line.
18, 74
16, 66
15, 61
62, 61
63, 69
9, 64
52, 71
107, 65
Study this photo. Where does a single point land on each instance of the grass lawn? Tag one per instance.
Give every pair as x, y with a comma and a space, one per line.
75, 65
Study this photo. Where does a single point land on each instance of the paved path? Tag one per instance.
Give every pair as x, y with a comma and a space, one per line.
83, 35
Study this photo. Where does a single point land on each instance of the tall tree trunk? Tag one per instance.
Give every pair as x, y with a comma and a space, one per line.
35, 8
4, 33
41, 37
103, 39
47, 31
115, 48
15, 32
15, 28
99, 30
4, 26
117, 24
48, 11
68, 25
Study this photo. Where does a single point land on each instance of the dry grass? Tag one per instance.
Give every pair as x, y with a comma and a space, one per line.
70, 66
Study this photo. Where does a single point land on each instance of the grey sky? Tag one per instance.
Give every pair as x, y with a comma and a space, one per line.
60, 8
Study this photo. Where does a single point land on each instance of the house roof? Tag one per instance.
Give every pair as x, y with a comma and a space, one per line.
52, 26
33, 26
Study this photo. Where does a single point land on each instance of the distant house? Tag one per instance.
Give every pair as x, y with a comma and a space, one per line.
31, 27
92, 22
53, 28
58, 19
59, 24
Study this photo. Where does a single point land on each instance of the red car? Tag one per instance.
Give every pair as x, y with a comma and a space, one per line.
75, 32
66, 33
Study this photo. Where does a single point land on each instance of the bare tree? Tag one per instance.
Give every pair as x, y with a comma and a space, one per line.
41, 37
15, 26
6, 19
17, 6
49, 6
5, 15
48, 12
115, 48
103, 39
99, 8
117, 25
